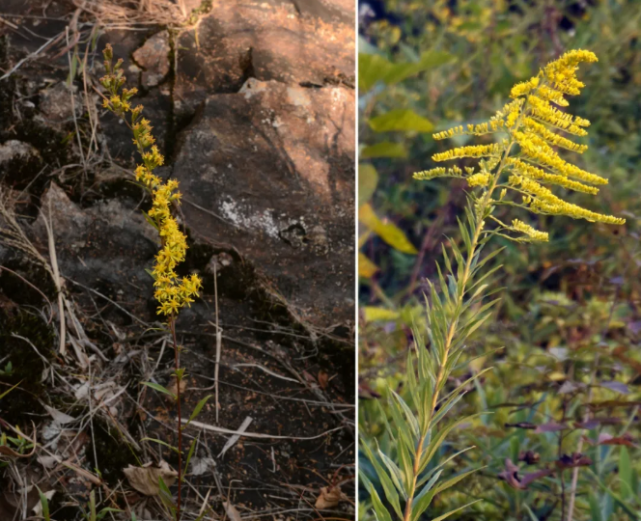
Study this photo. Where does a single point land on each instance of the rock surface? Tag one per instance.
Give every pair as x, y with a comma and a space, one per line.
269, 173
59, 103
293, 41
14, 149
107, 245
153, 57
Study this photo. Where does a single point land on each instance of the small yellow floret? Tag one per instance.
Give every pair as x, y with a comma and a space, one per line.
481, 179
523, 88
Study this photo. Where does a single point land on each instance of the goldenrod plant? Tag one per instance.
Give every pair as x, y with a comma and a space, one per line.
515, 171
171, 291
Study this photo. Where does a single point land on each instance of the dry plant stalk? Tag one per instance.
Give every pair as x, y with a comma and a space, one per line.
148, 12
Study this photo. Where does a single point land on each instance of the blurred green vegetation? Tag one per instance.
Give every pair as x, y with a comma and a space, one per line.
565, 345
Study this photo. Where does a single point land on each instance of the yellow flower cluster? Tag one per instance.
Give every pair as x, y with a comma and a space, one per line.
439, 171
548, 93
532, 121
541, 200
542, 110
493, 125
172, 292
469, 151
531, 233
512, 112
523, 88
552, 138
561, 73
537, 150
539, 174
480, 179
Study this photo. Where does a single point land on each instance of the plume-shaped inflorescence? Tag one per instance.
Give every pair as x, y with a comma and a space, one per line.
172, 292
536, 128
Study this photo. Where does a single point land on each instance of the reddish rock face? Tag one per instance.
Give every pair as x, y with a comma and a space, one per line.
267, 165
153, 57
269, 171
293, 41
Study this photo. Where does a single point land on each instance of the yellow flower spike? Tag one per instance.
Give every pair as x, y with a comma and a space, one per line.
552, 138
530, 233
170, 292
533, 172
468, 151
535, 130
440, 171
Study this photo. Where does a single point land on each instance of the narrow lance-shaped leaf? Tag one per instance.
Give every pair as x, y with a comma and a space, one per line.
442, 464
379, 509
440, 437
160, 388
441, 280
400, 427
625, 473
445, 516
408, 413
190, 454
406, 456
423, 499
394, 472
386, 482
454, 480
198, 408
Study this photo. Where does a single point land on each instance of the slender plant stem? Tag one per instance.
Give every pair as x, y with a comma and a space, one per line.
484, 203
172, 325
441, 371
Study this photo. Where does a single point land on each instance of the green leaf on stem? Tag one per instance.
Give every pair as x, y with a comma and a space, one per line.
161, 389
198, 408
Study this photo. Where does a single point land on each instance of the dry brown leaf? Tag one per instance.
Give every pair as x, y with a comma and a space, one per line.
323, 379
59, 417
608, 439
83, 473
533, 476
173, 388
309, 377
6, 451
231, 511
145, 479
550, 427
11, 502
511, 475
570, 461
329, 497
529, 457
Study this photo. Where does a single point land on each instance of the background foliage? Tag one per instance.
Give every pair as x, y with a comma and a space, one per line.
564, 342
